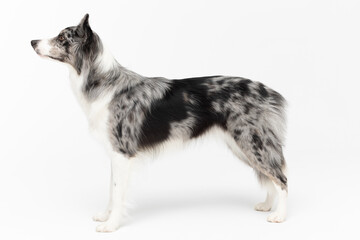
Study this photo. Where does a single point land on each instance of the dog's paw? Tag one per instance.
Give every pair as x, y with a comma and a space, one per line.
109, 226
102, 216
276, 217
263, 207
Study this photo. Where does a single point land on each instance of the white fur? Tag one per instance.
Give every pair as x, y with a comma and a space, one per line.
43, 48
105, 60
280, 213
121, 168
233, 146
270, 197
77, 82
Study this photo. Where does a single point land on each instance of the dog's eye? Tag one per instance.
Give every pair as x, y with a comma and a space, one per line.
61, 38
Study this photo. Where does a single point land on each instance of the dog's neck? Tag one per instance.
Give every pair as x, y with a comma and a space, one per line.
99, 79
101, 74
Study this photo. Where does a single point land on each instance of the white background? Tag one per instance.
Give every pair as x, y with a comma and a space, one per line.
54, 176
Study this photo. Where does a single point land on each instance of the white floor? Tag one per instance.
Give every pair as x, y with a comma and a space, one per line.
179, 197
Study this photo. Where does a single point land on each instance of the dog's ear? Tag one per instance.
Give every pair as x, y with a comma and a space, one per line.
83, 30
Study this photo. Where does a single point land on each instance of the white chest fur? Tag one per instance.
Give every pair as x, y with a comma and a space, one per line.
96, 111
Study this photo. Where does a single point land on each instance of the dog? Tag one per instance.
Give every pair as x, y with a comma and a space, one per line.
132, 114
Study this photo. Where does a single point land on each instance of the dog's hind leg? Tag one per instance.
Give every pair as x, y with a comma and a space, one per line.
273, 172
270, 194
273, 190
260, 151
121, 167
280, 213
270, 167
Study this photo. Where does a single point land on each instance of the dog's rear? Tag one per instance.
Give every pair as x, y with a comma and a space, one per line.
132, 114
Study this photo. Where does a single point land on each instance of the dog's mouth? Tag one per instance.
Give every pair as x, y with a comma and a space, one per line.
51, 57
47, 56
55, 58
40, 54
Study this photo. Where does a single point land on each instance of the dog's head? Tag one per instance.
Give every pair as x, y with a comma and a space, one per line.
73, 45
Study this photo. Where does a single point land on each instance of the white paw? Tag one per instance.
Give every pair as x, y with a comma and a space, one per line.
109, 226
276, 217
263, 207
102, 216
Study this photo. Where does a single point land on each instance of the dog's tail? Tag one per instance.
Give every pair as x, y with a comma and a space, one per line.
275, 119
276, 115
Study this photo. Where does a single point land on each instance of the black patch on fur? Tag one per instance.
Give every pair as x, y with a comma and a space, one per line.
270, 143
129, 95
128, 131
221, 82
282, 178
156, 126
174, 108
237, 87
91, 85
277, 99
242, 87
250, 122
258, 156
248, 106
237, 132
197, 91
234, 117
119, 131
258, 144
262, 91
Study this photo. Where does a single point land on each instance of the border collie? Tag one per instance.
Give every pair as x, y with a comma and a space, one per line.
132, 114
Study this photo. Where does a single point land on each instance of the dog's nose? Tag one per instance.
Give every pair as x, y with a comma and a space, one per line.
34, 43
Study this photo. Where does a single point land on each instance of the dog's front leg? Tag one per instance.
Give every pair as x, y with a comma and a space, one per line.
121, 174
104, 216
